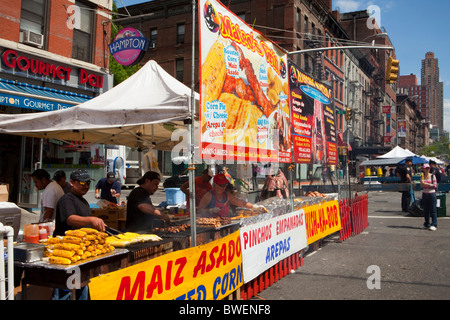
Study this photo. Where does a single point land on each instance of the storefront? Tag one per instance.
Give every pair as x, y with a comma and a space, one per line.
28, 84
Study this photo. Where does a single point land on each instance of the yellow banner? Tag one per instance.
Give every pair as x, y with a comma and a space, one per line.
322, 220
208, 272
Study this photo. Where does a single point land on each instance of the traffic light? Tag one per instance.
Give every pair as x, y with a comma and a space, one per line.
392, 70
348, 114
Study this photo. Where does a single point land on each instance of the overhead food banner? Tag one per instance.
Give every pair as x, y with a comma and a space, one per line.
207, 272
244, 91
266, 243
313, 121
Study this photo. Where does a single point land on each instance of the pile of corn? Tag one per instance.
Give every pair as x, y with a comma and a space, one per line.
76, 245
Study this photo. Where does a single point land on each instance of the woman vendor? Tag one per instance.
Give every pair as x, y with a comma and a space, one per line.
216, 203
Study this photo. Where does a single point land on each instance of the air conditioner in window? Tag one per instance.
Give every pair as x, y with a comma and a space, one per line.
32, 38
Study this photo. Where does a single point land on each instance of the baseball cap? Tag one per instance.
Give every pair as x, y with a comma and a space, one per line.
80, 175
150, 175
111, 176
220, 179
426, 165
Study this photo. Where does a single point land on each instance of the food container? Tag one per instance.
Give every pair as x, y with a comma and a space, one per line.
31, 233
28, 252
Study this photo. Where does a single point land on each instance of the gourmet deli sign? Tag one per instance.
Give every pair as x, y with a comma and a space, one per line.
129, 46
16, 62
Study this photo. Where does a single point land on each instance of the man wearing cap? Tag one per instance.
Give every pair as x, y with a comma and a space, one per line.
108, 188
141, 214
202, 186
216, 203
72, 210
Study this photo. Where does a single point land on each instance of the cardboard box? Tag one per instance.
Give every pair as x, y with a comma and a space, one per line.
4, 192
110, 216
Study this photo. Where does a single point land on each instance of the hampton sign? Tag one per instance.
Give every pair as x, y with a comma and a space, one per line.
129, 46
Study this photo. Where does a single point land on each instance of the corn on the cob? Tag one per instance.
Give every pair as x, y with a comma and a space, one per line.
66, 246
213, 74
76, 233
53, 240
75, 258
71, 239
62, 253
59, 260
89, 231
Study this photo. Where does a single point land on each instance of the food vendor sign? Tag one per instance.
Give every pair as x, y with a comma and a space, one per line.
208, 272
313, 121
322, 220
244, 90
266, 243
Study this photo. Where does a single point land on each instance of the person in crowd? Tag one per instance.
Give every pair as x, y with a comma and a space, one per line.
141, 214
52, 193
73, 210
202, 186
275, 186
60, 177
428, 182
436, 171
108, 188
216, 203
405, 175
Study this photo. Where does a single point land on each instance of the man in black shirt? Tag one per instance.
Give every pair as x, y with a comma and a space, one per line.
405, 175
72, 210
141, 214
435, 170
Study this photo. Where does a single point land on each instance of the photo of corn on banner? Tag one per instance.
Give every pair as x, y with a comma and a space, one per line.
244, 90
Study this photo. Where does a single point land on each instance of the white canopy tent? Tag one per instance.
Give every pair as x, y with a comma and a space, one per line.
397, 152
145, 108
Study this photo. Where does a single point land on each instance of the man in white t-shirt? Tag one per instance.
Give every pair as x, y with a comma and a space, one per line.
50, 196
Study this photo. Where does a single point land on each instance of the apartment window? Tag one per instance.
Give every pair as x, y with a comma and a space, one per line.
153, 37
278, 17
33, 16
298, 20
181, 30
32, 22
241, 16
82, 34
179, 69
305, 25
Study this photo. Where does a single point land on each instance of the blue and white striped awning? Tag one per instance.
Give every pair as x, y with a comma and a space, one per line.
30, 96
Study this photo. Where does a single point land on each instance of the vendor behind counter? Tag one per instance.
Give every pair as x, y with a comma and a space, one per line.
141, 214
202, 186
216, 202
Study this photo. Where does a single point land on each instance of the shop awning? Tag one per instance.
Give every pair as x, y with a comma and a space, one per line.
28, 96
144, 109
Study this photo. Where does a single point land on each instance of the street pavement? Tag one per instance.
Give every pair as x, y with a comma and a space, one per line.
409, 262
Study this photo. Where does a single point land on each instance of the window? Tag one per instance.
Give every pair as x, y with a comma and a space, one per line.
153, 37
180, 33
179, 69
278, 17
33, 16
298, 20
82, 34
305, 25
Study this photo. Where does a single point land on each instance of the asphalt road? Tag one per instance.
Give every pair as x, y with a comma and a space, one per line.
393, 259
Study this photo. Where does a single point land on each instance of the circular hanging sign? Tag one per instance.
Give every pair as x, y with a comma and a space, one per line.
129, 46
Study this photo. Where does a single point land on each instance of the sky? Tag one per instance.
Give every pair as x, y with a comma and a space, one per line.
414, 27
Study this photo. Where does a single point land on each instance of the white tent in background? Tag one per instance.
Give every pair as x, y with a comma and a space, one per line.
397, 152
145, 108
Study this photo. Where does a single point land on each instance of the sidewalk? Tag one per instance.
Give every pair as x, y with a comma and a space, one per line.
412, 262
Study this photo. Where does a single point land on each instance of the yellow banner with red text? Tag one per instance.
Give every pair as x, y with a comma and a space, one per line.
207, 272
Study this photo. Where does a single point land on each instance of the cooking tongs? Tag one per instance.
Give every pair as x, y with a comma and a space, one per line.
109, 229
